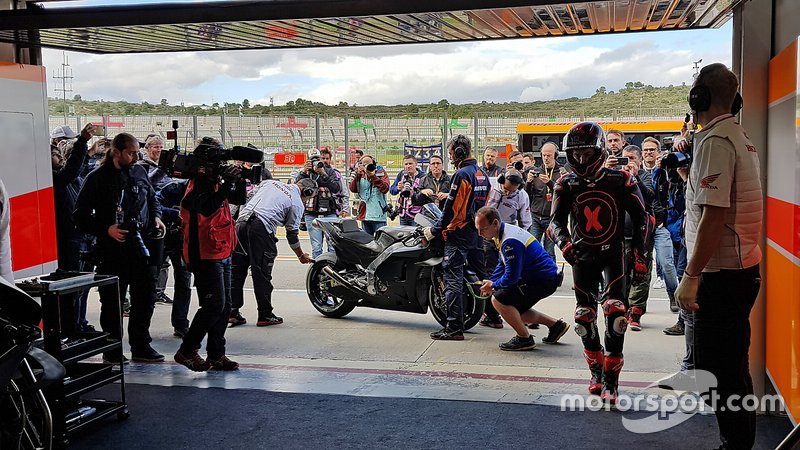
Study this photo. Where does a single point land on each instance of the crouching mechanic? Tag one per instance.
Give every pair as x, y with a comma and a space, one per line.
595, 199
524, 275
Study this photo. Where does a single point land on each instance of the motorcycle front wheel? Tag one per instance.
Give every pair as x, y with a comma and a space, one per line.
473, 308
316, 287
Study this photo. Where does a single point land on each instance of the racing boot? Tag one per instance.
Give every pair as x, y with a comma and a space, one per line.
595, 361
611, 368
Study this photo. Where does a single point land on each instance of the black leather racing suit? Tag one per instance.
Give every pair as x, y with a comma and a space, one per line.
596, 211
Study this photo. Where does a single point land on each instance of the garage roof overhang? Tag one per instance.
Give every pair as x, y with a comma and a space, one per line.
266, 24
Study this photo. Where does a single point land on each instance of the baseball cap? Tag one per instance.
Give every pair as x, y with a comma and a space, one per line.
313, 153
63, 131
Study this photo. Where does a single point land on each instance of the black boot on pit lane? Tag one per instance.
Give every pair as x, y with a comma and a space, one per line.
446, 334
556, 332
236, 318
192, 361
517, 344
146, 354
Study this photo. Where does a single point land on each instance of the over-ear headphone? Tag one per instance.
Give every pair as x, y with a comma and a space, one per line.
459, 150
700, 100
558, 153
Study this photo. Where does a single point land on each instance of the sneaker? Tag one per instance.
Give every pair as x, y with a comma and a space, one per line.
675, 330
673, 305
491, 322
223, 363
163, 298
518, 344
180, 332
236, 319
533, 326
446, 334
658, 284
635, 319
267, 321
193, 361
679, 381
146, 355
555, 332
115, 359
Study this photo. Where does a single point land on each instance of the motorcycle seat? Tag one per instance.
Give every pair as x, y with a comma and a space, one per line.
359, 236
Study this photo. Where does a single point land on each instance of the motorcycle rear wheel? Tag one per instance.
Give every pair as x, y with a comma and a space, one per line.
473, 308
328, 305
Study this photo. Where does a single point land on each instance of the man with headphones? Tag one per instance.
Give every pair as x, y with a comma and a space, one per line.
723, 229
513, 205
469, 190
539, 186
276, 204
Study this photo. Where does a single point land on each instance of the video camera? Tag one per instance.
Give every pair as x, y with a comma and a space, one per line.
209, 159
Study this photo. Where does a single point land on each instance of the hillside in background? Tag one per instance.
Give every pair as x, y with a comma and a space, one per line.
633, 96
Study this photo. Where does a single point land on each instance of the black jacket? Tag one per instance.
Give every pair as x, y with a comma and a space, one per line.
645, 182
329, 185
428, 182
106, 188
66, 186
538, 190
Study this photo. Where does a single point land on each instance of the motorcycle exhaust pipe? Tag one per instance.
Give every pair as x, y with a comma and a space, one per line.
338, 278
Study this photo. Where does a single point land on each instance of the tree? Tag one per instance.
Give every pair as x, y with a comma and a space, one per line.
601, 90
77, 98
245, 104
164, 102
443, 103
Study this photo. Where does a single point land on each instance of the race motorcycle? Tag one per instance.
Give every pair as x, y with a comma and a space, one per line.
396, 270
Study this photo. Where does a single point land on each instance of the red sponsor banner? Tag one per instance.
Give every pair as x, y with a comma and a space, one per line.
290, 159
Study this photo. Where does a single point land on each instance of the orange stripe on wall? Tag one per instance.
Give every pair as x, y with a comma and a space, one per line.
783, 327
783, 73
783, 224
11, 71
33, 229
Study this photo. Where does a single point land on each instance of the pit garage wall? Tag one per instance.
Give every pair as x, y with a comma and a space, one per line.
25, 168
783, 228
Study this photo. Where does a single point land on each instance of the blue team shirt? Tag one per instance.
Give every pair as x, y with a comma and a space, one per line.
522, 259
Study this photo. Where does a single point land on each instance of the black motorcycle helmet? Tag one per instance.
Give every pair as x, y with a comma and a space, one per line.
581, 136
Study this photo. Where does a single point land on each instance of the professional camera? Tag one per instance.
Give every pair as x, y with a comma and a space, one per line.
406, 190
316, 163
677, 159
371, 167
209, 159
134, 238
519, 165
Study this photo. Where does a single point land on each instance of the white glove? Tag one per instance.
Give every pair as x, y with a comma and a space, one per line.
428, 233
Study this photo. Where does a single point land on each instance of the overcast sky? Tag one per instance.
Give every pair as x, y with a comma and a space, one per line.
494, 71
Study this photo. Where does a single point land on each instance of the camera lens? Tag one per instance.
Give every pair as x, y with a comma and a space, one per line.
371, 167
320, 165
518, 165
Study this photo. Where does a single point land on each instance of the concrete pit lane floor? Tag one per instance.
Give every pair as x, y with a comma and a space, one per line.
376, 379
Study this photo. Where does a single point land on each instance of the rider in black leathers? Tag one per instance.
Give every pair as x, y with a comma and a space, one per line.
595, 200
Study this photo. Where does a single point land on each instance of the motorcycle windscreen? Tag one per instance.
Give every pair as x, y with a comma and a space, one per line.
18, 307
428, 216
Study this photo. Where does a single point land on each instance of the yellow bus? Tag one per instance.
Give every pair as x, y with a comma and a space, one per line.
532, 135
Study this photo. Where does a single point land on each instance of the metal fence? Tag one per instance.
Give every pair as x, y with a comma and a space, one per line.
382, 136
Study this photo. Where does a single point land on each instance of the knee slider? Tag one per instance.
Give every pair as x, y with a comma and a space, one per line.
585, 318
614, 310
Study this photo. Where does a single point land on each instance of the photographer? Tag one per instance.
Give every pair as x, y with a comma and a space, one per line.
70, 241
371, 183
275, 204
723, 229
468, 192
514, 161
152, 152
434, 186
118, 205
539, 187
405, 184
323, 204
209, 239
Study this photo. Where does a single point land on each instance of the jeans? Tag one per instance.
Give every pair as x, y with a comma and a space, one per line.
213, 281
182, 290
679, 255
316, 236
372, 226
664, 257
140, 277
687, 319
722, 344
538, 229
